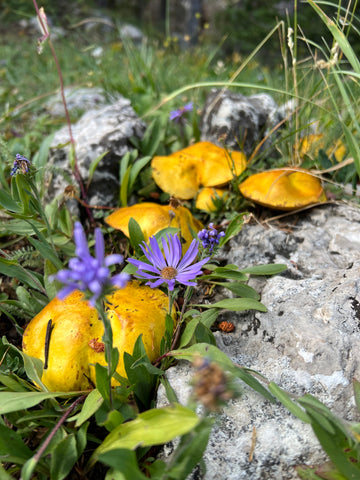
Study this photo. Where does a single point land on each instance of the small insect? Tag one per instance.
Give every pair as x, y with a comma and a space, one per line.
226, 327
21, 163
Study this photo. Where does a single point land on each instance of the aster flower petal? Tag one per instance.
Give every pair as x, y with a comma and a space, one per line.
99, 246
157, 258
113, 259
120, 280
191, 254
87, 273
82, 249
175, 251
156, 283
143, 265
168, 267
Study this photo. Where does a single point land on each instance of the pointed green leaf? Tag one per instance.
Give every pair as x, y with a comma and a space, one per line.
153, 427
124, 461
63, 457
285, 399
236, 305
271, 269
12, 447
13, 401
92, 403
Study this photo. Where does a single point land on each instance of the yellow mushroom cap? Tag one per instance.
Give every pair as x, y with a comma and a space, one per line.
76, 337
202, 164
283, 189
206, 197
153, 217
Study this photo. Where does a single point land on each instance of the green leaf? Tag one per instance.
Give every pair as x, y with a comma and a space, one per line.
190, 450
13, 401
11, 383
63, 457
92, 403
124, 190
7, 202
240, 289
4, 475
50, 286
113, 419
188, 332
356, 387
208, 317
102, 381
236, 305
11, 269
285, 399
34, 369
308, 473
152, 137
235, 227
12, 447
46, 251
124, 461
93, 166
135, 170
222, 272
271, 269
153, 427
170, 392
203, 334
135, 234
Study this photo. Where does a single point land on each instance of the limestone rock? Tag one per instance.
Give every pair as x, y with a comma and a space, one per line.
107, 129
307, 342
238, 121
77, 100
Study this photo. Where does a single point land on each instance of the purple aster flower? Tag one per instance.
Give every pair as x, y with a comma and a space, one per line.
210, 237
20, 163
179, 113
168, 267
87, 273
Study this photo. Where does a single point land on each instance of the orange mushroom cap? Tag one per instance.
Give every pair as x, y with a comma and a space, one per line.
206, 197
76, 337
153, 217
202, 164
283, 189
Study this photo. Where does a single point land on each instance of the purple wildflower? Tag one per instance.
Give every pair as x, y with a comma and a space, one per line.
168, 267
179, 113
210, 237
20, 163
87, 273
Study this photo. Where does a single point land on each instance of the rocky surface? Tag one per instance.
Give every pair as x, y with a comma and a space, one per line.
307, 342
80, 99
107, 129
238, 121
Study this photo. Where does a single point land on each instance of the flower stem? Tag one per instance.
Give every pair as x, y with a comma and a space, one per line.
187, 297
108, 342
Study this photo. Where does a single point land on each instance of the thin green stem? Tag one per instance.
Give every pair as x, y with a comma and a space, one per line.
108, 342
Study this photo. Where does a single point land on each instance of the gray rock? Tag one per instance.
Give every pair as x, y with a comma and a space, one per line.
238, 121
107, 129
78, 100
307, 342
131, 32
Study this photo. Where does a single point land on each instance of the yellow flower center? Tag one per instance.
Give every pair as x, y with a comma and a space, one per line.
168, 273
